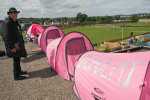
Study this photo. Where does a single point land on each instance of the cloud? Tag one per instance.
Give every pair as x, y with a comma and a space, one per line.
69, 8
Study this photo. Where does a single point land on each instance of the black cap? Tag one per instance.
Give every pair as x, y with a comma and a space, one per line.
12, 10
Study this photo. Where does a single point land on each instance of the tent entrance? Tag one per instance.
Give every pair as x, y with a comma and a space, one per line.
51, 35
74, 48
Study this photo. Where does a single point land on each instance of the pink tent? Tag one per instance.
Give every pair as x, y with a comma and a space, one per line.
62, 53
34, 30
112, 76
48, 35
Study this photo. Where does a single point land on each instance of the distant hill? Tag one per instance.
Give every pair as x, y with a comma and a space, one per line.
142, 14
133, 14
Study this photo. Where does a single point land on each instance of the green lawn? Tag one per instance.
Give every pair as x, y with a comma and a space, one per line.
0, 37
132, 24
98, 34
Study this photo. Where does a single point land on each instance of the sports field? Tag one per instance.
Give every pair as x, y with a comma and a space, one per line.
99, 33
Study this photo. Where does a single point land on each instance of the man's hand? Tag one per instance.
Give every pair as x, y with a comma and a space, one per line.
14, 50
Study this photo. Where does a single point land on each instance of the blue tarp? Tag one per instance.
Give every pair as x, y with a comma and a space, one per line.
148, 35
140, 44
142, 39
2, 42
148, 43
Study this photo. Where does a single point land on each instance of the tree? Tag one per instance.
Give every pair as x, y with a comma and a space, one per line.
81, 17
64, 19
117, 17
134, 18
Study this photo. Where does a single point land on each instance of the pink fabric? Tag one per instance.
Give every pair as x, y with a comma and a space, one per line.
51, 35
146, 90
51, 51
74, 49
60, 64
39, 38
112, 76
35, 29
48, 35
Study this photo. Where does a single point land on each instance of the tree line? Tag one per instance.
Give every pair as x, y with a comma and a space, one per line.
84, 18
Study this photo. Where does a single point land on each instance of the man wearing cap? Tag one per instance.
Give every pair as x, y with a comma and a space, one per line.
14, 43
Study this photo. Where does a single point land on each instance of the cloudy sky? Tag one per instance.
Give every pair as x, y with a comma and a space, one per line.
70, 8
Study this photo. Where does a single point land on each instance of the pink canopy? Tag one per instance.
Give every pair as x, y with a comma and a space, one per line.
112, 76
35, 30
48, 35
62, 53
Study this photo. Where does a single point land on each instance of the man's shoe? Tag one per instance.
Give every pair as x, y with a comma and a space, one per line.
23, 72
20, 78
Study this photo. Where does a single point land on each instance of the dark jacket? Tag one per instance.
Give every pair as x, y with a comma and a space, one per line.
11, 34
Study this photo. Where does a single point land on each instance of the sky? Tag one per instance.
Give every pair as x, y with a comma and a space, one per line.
70, 8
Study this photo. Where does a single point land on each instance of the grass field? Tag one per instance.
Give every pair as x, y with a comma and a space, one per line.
0, 37
100, 33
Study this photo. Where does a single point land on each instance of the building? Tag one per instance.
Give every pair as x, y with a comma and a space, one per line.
55, 23
70, 23
144, 21
47, 23
121, 21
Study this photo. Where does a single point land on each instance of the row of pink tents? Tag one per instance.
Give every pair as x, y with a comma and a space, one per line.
96, 75
62, 51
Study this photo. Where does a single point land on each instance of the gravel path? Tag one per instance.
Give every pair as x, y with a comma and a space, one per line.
41, 83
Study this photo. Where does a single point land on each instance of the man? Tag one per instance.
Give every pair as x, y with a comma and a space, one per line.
14, 43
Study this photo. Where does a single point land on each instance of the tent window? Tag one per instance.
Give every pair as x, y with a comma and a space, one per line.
74, 48
51, 35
